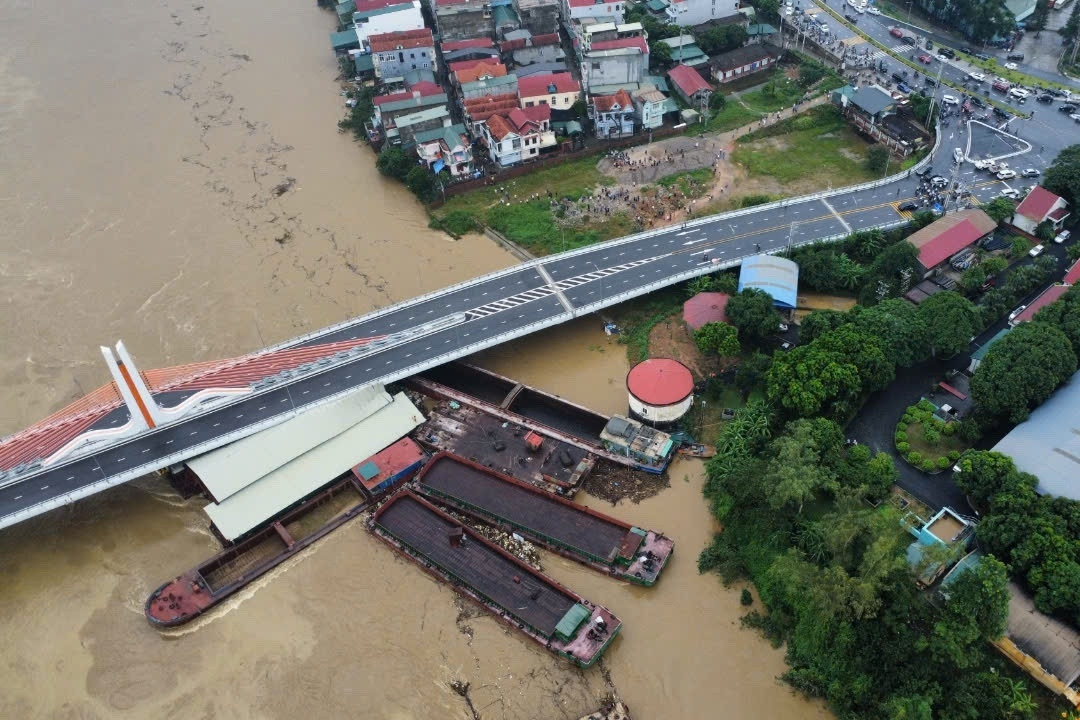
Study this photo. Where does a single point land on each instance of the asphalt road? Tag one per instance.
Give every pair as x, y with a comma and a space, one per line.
504, 305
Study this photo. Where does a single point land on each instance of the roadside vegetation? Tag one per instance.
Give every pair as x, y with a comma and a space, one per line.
928, 442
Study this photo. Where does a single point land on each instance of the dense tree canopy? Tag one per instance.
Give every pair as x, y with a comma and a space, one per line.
891, 274
950, 321
716, 40
753, 314
1000, 209
1063, 175
1022, 370
1065, 314
717, 339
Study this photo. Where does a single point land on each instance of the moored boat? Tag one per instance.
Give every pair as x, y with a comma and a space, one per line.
700, 450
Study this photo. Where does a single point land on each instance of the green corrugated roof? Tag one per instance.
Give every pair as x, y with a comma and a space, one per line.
656, 5
364, 63
760, 29
571, 621
368, 470
344, 12
980, 354
504, 15
344, 40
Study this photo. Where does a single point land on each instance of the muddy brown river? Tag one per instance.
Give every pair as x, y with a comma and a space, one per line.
170, 175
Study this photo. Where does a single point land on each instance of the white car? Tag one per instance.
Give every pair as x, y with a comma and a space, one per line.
950, 100
977, 76
873, 11
1035, 251
1011, 193
1075, 117
982, 164
1006, 174
1019, 92
958, 155
1062, 236
1010, 66
941, 58
1017, 311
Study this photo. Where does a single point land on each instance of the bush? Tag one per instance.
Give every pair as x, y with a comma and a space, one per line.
456, 223
925, 405
953, 455
943, 463
900, 437
914, 457
949, 430
931, 434
928, 465
755, 199
903, 447
970, 432
746, 598
907, 419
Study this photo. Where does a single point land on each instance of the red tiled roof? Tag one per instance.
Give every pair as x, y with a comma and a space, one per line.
406, 39
1037, 204
499, 127
535, 85
482, 108
465, 44
472, 74
705, 308
1047, 296
660, 381
1073, 275
466, 64
518, 119
534, 41
538, 113
604, 103
424, 88
587, 3
638, 42
368, 5
687, 79
1060, 214
949, 243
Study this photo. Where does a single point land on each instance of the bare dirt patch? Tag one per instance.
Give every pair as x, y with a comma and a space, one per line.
672, 339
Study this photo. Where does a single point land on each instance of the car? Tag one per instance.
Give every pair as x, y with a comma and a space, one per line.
938, 182
966, 50
903, 87
1066, 108
1011, 193
925, 59
873, 11
989, 283
910, 40
1017, 311
982, 56
1018, 57
950, 100
1010, 66
1062, 236
958, 155
1045, 98
1030, 172
896, 32
1003, 114
930, 81
976, 76
975, 100
1036, 251
1006, 174
942, 58
1018, 92
1075, 117
947, 53
981, 164
897, 77
908, 206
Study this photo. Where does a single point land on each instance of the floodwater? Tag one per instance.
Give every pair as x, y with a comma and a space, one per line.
144, 146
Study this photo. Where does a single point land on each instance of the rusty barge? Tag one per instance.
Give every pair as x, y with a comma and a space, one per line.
192, 593
641, 447
579, 533
538, 606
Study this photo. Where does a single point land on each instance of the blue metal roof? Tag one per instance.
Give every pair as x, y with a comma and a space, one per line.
775, 275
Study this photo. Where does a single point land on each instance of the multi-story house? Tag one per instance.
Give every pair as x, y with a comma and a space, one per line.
394, 54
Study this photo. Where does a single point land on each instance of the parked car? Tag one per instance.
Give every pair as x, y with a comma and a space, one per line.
950, 100
1045, 98
1006, 174
1075, 117
1018, 92
929, 81
910, 40
873, 10
925, 59
938, 182
982, 56
896, 32
981, 164
990, 282
1017, 311
908, 206
966, 50
1001, 85
1017, 57
1066, 108
1062, 236
1001, 113
958, 155
947, 53
1010, 66
942, 57
976, 76
903, 87
1030, 172
1011, 193
1035, 251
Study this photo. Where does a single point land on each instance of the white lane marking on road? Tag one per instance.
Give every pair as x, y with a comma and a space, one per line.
146, 450
168, 442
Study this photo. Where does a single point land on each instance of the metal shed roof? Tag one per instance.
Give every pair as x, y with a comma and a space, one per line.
228, 470
290, 483
775, 275
1047, 445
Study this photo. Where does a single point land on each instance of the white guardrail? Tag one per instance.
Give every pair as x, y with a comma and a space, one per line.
441, 359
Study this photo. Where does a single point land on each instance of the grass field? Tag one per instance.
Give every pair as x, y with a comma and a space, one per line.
692, 182
818, 141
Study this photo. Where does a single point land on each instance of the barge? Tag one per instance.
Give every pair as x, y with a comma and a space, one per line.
538, 606
191, 594
579, 533
542, 412
512, 449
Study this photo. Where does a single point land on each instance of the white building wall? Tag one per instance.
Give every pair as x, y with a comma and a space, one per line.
660, 413
408, 18
695, 12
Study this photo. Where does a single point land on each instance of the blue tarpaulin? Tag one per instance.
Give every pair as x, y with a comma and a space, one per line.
439, 165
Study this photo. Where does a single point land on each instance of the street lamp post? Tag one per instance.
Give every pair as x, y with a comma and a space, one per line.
909, 10
601, 282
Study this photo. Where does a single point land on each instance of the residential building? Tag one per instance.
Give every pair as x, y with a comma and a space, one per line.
479, 109
446, 147
427, 119
875, 113
612, 115
477, 42
694, 12
604, 10
395, 54
619, 60
488, 86
558, 90
1072, 275
344, 40
948, 235
469, 71
542, 68
378, 17
651, 105
690, 86
525, 48
684, 50
462, 19
519, 135
388, 108
747, 60
762, 32
1040, 206
1046, 297
539, 17
504, 17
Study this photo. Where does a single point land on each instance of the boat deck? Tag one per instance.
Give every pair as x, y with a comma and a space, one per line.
534, 510
516, 588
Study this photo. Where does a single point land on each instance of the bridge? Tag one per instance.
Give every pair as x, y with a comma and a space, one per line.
145, 421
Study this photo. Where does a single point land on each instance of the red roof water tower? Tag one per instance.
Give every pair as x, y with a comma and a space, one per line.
661, 390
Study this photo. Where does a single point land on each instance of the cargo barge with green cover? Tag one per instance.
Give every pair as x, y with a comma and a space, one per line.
545, 611
579, 533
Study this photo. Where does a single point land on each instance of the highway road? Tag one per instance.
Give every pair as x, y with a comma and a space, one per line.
508, 304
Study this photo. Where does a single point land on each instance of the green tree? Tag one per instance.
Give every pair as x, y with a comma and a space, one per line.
1000, 209
753, 314
994, 265
1064, 314
1045, 231
891, 274
752, 370
810, 380
810, 72
950, 320
972, 279
975, 610
1063, 175
422, 183
1022, 370
877, 158
717, 338
1019, 247
717, 101
659, 54
982, 474
820, 322
716, 40
395, 162
898, 325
